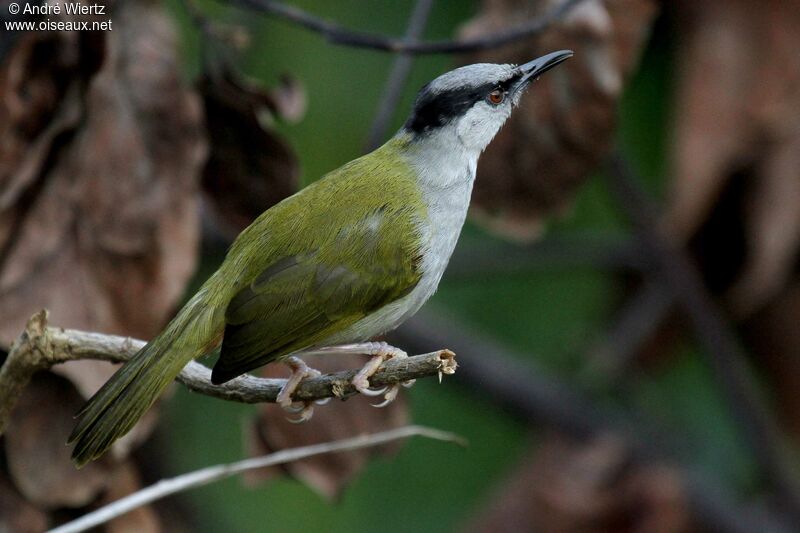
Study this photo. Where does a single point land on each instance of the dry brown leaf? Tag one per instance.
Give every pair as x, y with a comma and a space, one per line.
35, 443
737, 109
569, 487
17, 515
328, 474
101, 146
35, 108
250, 168
566, 122
735, 193
101, 227
99, 215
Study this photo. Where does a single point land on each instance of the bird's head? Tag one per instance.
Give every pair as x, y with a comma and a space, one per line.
468, 105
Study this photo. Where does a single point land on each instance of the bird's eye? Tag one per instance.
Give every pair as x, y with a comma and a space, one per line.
496, 97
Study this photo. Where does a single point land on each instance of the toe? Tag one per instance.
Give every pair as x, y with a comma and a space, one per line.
284, 400
306, 412
389, 397
294, 408
362, 386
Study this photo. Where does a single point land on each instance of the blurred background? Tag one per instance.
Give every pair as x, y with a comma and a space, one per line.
624, 302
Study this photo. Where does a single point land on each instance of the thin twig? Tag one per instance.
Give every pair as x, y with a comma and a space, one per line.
636, 322
212, 474
40, 347
340, 35
398, 76
724, 354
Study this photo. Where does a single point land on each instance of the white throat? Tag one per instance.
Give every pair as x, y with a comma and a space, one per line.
445, 170
444, 162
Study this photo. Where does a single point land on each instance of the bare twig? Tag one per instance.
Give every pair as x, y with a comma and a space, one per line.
26, 356
641, 316
397, 77
722, 349
40, 347
211, 474
337, 34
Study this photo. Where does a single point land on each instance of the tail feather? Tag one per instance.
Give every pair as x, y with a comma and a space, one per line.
133, 389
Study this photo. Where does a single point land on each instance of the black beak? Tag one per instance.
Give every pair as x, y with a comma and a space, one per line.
537, 67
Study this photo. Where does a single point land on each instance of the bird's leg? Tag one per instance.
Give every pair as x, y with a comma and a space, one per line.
379, 352
300, 371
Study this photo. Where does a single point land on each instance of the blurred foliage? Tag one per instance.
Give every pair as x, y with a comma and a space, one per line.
550, 315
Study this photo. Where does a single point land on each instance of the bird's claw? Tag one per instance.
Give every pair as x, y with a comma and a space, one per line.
380, 353
295, 407
389, 397
363, 387
306, 410
300, 371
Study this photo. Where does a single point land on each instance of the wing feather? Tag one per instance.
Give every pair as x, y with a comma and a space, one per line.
301, 299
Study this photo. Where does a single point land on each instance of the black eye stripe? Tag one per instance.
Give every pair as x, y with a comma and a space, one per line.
433, 110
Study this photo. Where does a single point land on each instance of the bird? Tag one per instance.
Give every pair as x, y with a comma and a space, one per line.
340, 262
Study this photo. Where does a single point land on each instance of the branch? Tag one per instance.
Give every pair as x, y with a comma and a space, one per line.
609, 360
758, 426
398, 76
211, 474
340, 35
40, 347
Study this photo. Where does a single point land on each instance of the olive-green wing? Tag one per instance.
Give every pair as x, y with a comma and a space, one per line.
302, 299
